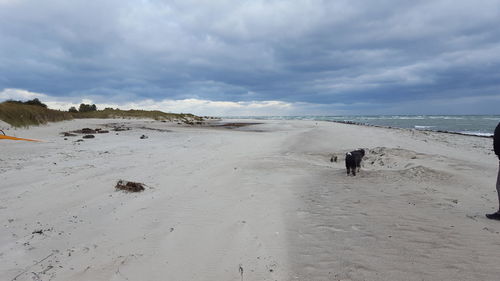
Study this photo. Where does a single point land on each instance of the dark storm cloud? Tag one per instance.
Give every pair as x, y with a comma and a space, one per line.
320, 52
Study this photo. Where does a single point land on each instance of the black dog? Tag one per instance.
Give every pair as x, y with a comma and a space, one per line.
353, 160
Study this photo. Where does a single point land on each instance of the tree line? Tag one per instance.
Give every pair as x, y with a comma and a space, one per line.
34, 101
83, 107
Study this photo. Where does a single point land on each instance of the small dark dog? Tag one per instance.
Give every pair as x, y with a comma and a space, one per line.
353, 160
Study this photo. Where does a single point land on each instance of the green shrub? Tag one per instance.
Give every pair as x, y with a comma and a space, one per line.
87, 108
34, 101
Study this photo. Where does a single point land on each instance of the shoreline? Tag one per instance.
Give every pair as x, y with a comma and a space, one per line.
419, 127
215, 122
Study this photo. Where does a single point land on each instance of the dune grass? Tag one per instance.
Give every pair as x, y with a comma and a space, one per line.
24, 115
133, 113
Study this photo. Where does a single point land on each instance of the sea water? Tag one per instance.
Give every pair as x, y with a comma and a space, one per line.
480, 125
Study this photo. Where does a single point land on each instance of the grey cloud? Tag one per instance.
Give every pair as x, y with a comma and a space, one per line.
348, 52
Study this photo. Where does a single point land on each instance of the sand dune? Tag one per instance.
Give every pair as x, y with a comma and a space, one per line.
259, 202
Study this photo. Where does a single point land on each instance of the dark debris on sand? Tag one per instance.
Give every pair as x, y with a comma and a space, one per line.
130, 186
85, 131
233, 125
120, 128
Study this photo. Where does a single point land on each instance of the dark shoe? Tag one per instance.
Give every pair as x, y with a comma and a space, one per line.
494, 216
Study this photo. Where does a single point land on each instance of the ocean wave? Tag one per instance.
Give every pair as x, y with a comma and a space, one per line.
482, 134
391, 117
447, 117
419, 127
416, 117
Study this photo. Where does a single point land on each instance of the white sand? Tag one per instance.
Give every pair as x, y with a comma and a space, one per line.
4, 126
258, 203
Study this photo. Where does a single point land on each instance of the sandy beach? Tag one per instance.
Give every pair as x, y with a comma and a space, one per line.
258, 202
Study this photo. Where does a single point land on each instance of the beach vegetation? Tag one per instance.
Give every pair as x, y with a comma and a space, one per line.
87, 108
23, 114
34, 101
136, 113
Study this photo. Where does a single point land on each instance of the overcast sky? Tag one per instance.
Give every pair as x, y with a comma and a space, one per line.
255, 57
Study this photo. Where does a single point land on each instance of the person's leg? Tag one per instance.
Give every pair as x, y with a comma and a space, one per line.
498, 186
496, 216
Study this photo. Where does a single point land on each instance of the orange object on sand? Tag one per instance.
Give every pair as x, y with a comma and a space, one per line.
14, 138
